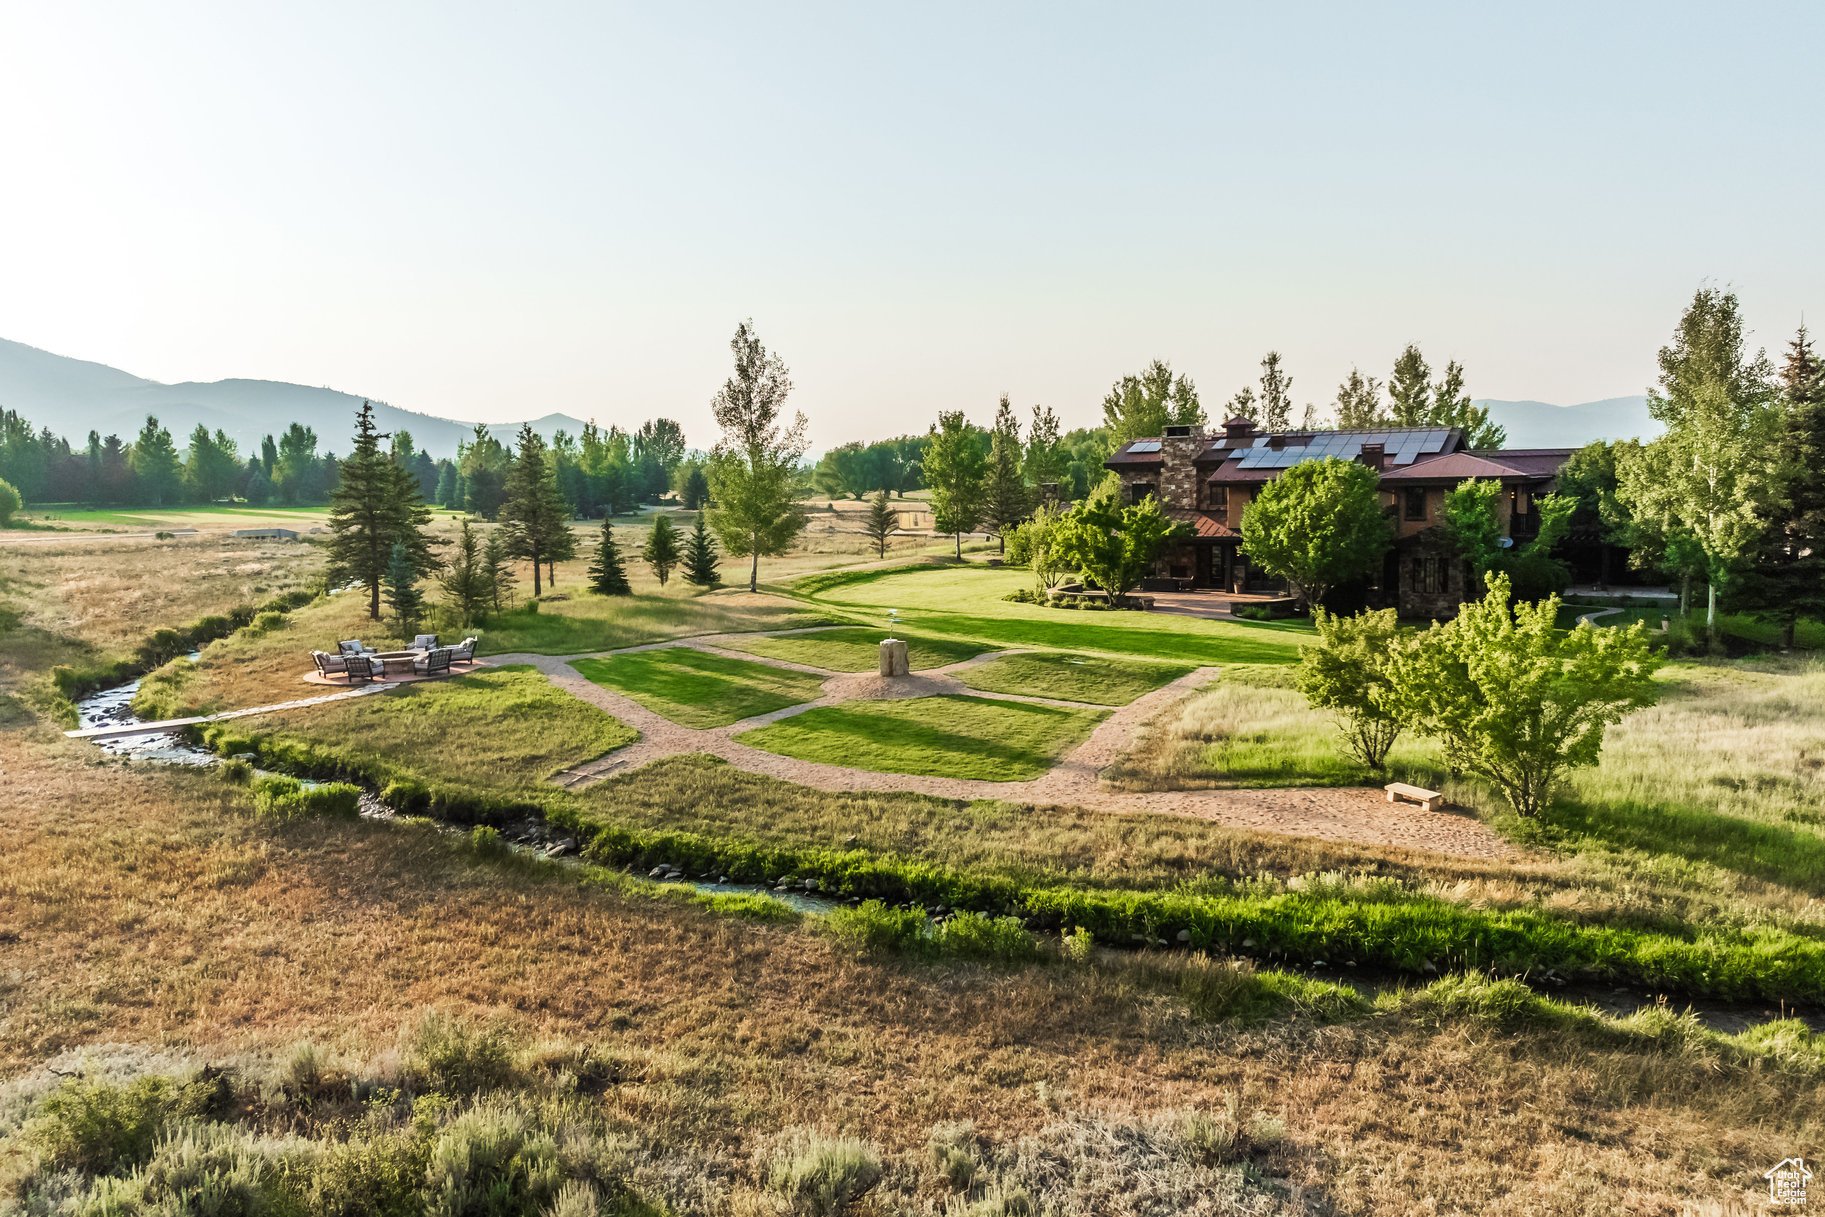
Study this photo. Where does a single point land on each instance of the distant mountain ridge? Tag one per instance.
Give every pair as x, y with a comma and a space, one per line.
75, 396
1538, 424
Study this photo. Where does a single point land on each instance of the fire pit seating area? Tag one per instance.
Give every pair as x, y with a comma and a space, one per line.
357, 663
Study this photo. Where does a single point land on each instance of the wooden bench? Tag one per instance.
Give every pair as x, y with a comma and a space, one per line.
1429, 800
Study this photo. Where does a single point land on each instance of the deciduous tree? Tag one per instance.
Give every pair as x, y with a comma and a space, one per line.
1115, 546
1513, 699
1039, 545
954, 472
1359, 405
157, 472
1346, 672
1318, 525
753, 466
1146, 404
1276, 394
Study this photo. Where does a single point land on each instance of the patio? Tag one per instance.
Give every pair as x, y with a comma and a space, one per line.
354, 663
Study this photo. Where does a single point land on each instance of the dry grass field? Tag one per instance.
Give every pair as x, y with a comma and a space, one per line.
152, 923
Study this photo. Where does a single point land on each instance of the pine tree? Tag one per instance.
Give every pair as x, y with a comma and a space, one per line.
497, 562
403, 596
700, 556
374, 508
954, 469
661, 552
1784, 570
155, 465
607, 577
883, 522
696, 491
533, 510
465, 578
1005, 501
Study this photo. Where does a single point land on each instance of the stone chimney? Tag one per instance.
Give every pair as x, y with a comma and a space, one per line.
1373, 455
1179, 447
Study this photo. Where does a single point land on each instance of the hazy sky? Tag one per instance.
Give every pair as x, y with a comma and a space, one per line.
499, 211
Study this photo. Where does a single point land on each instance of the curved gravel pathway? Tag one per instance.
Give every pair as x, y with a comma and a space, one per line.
1359, 816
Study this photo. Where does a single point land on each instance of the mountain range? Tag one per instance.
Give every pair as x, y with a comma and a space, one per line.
73, 397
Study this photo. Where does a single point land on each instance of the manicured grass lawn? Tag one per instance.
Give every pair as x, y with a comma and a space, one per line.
696, 689
958, 737
1085, 678
858, 648
588, 622
218, 515
965, 602
496, 728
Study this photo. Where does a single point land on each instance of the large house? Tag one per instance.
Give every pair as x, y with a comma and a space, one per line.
1205, 479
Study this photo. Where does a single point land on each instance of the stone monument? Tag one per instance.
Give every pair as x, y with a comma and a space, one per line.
893, 657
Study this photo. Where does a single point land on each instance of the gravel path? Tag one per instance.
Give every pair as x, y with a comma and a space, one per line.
1359, 816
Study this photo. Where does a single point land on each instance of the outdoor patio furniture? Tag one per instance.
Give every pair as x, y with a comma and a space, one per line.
1427, 799
397, 663
425, 642
353, 647
464, 651
327, 664
435, 663
360, 668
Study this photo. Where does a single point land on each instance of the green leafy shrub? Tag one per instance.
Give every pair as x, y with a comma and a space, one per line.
872, 926
237, 773
491, 1160
285, 798
975, 936
822, 1176
98, 1128
379, 1176
459, 1057
486, 842
201, 1170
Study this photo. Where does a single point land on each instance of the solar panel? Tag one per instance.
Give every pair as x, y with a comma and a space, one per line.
1146, 445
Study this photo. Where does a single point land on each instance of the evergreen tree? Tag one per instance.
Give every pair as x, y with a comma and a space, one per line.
269, 456
754, 466
214, 465
446, 495
883, 523
497, 560
259, 488
607, 577
374, 508
403, 597
299, 473
1784, 571
482, 464
532, 509
661, 552
1244, 405
696, 491
700, 556
156, 470
1005, 500
954, 470
1046, 457
466, 579
1410, 389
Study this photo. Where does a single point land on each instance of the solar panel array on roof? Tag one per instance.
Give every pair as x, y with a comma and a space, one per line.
1145, 445
1402, 447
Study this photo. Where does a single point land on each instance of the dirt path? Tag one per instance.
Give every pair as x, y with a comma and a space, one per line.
1359, 816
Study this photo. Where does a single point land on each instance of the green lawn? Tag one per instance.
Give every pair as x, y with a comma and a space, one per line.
858, 648
587, 622
958, 737
1085, 678
695, 689
497, 728
966, 602
217, 515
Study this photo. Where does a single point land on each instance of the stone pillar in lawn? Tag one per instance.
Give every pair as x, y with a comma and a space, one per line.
893, 657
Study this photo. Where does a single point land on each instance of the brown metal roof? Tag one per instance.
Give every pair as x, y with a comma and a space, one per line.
1204, 525
1456, 466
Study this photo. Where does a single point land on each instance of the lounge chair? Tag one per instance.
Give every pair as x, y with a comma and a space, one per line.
425, 642
329, 665
360, 668
464, 651
435, 663
353, 646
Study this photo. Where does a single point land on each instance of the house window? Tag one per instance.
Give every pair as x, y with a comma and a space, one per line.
1219, 500
1416, 504
1139, 490
1431, 575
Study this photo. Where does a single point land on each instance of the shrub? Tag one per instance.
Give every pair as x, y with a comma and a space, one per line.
373, 1177
1343, 671
457, 1057
821, 1176
286, 798
872, 926
976, 936
1078, 946
487, 843
263, 624
953, 1149
236, 772
490, 1160
203, 1170
98, 1129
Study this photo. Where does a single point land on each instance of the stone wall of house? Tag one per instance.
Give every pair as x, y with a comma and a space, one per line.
1433, 578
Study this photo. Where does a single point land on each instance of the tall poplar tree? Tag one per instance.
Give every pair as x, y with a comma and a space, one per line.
1144, 405
532, 509
374, 507
1359, 403
753, 466
1708, 476
1410, 389
954, 471
1276, 394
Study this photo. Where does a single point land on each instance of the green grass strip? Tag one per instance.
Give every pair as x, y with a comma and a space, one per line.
697, 689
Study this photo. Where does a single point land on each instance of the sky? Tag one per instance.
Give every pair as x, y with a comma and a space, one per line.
494, 212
